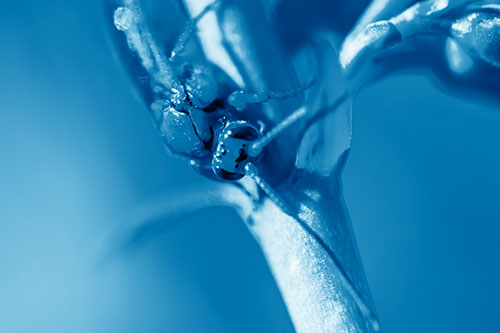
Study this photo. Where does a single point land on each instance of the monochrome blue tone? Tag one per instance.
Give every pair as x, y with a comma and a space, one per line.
80, 156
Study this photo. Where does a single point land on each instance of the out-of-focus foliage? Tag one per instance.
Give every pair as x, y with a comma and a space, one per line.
77, 152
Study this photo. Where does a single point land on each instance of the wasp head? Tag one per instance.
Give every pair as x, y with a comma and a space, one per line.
231, 155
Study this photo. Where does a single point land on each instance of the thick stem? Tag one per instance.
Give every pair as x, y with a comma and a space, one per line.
322, 282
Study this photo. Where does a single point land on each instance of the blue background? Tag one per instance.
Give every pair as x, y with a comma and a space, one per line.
78, 151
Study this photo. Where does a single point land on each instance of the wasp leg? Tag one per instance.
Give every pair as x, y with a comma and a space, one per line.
190, 28
240, 99
140, 41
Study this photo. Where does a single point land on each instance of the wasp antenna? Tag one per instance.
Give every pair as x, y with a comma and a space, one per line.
290, 92
256, 148
252, 171
240, 99
208, 8
190, 27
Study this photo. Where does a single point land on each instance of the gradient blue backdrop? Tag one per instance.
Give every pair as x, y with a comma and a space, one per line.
77, 151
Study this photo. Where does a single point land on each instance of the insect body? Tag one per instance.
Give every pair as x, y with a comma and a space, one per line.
201, 113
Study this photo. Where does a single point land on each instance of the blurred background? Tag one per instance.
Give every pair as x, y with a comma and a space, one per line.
78, 151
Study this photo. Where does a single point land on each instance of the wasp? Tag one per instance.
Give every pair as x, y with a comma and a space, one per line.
199, 110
